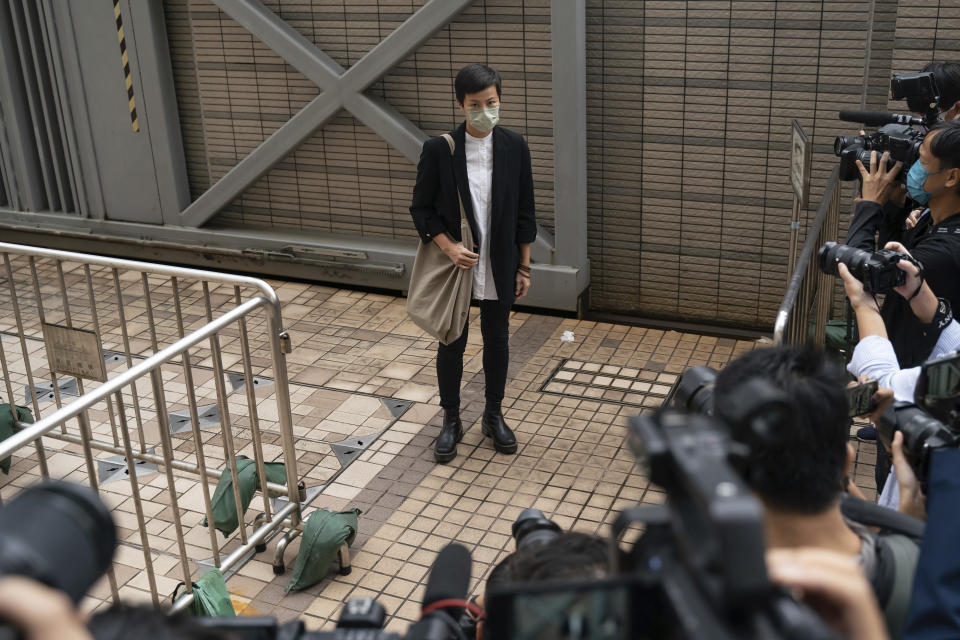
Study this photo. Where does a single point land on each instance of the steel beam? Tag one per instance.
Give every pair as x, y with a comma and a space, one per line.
342, 89
271, 151
569, 42
352, 261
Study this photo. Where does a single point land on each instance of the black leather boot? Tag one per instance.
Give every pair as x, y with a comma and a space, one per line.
445, 446
493, 425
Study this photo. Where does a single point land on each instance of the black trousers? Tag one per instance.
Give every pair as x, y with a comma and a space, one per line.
495, 328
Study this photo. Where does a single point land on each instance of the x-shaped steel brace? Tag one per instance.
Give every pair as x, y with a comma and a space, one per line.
340, 89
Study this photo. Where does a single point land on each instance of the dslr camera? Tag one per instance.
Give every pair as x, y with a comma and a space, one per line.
932, 421
877, 270
897, 134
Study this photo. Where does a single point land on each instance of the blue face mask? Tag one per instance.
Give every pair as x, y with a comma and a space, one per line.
916, 178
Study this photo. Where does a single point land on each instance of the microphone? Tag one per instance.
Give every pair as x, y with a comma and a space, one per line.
878, 118
449, 578
445, 596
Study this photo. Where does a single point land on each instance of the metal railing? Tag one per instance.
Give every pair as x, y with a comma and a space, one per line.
803, 313
132, 308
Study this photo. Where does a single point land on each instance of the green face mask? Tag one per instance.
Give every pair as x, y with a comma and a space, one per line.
484, 120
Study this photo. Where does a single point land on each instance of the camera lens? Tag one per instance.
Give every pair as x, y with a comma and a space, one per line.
57, 533
695, 390
833, 253
533, 529
841, 143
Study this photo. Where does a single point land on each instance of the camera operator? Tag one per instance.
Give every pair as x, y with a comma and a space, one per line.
889, 218
567, 556
800, 479
874, 356
934, 241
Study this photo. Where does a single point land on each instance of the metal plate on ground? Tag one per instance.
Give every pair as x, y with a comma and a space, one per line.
350, 449
239, 381
115, 468
180, 421
44, 390
632, 386
396, 406
76, 352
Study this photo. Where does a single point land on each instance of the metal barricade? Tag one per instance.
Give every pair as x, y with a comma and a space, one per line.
806, 302
169, 334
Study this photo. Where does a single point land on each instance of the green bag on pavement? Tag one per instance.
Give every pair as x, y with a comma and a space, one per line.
323, 534
210, 596
6, 428
224, 505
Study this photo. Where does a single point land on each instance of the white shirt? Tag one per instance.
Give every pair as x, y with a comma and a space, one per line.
479, 152
874, 357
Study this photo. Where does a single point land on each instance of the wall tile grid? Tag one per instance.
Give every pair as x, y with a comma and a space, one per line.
689, 111
234, 92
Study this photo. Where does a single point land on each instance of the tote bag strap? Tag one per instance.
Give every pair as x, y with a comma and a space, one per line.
453, 146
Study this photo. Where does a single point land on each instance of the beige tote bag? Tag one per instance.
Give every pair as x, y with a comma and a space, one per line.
439, 296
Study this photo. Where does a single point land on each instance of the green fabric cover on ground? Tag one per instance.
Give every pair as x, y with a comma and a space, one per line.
323, 534
6, 428
210, 596
223, 503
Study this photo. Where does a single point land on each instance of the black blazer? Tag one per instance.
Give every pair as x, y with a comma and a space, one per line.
512, 222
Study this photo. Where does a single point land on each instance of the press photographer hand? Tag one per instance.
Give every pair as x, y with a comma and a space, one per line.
880, 184
834, 586
39, 612
912, 501
859, 299
913, 281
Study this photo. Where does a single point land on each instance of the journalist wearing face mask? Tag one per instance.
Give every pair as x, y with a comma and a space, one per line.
487, 168
934, 181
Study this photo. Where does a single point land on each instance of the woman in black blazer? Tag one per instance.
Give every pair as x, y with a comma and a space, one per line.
491, 168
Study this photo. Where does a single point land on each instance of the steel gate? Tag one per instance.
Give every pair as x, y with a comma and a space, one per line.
119, 372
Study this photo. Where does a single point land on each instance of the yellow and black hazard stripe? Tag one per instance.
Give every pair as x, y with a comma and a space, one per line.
125, 58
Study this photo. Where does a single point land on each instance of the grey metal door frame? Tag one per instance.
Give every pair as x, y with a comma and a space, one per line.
561, 267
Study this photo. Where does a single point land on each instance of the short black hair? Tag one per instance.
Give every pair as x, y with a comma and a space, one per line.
947, 75
945, 146
803, 471
473, 78
569, 556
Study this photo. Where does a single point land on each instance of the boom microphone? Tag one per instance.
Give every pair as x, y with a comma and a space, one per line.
878, 118
445, 596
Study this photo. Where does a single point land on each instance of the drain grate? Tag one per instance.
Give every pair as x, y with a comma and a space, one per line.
610, 383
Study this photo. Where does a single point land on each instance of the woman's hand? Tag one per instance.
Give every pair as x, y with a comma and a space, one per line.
523, 285
461, 256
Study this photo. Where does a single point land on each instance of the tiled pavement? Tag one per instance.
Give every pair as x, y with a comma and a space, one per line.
353, 352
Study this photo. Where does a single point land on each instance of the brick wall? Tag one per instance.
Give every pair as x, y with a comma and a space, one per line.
689, 112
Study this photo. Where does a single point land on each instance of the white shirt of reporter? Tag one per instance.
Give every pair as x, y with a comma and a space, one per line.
875, 359
479, 153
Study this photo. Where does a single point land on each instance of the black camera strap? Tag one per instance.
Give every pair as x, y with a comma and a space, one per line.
921, 274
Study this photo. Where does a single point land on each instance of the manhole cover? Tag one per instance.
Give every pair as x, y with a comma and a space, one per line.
610, 383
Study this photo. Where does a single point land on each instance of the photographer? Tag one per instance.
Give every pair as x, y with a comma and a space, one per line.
874, 356
934, 241
801, 478
891, 219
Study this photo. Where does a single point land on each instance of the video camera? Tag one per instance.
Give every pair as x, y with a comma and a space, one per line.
932, 421
896, 133
698, 570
